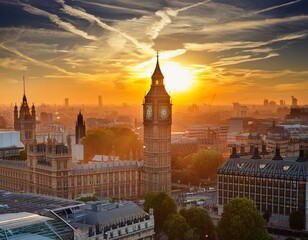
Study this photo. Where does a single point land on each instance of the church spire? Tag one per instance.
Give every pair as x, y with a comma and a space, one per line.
157, 77
24, 99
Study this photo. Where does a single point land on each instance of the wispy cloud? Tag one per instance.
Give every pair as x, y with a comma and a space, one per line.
223, 46
276, 7
238, 26
241, 59
115, 8
92, 18
162, 56
166, 15
34, 61
55, 19
12, 64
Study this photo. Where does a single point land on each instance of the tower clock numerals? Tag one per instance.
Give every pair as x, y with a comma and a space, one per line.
164, 112
148, 112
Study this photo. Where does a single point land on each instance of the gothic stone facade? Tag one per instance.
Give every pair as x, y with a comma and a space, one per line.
49, 168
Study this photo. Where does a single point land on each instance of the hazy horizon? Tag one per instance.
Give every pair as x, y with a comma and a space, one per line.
211, 52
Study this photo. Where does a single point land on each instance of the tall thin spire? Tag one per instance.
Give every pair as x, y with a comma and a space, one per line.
24, 99
157, 77
23, 77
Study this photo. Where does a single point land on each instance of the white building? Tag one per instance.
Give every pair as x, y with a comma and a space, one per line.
10, 144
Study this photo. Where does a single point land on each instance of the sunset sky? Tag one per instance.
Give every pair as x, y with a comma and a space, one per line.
80, 49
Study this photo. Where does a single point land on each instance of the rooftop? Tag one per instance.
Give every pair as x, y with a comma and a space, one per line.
286, 168
28, 202
21, 219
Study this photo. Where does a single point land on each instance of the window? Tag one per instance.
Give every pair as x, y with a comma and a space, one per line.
261, 166
285, 168
240, 165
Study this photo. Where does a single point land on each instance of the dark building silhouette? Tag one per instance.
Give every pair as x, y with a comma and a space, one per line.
25, 121
298, 115
80, 130
157, 119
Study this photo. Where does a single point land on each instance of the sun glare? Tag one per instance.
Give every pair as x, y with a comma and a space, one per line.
177, 77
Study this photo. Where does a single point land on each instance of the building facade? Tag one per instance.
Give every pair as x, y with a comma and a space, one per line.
157, 119
278, 185
49, 168
80, 129
124, 220
10, 144
25, 121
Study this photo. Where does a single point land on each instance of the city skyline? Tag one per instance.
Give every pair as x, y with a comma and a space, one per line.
227, 50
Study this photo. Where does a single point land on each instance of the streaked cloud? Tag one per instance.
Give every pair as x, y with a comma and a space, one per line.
223, 46
13, 64
166, 15
109, 47
241, 59
276, 7
91, 18
55, 19
34, 61
238, 26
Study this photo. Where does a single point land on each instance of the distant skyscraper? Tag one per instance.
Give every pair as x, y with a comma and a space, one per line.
294, 101
25, 122
80, 130
265, 103
66, 102
282, 103
157, 119
100, 101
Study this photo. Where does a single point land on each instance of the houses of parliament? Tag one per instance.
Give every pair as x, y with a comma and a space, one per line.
49, 168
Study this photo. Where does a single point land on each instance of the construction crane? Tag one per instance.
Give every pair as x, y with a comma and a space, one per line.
209, 104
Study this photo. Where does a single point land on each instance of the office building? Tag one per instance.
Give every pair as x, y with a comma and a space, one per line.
278, 185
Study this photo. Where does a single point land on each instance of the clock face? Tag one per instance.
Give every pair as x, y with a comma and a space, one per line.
148, 112
164, 112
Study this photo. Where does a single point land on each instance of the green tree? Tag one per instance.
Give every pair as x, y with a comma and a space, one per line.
297, 220
199, 221
105, 140
204, 162
241, 220
191, 235
162, 204
175, 227
125, 140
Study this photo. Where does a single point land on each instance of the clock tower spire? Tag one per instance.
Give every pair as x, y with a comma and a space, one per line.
157, 119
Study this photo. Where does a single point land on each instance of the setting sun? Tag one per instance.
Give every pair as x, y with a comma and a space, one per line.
177, 77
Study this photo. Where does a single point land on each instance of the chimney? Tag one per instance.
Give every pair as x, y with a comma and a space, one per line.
301, 157
277, 154
234, 153
256, 154
242, 151
251, 149
263, 150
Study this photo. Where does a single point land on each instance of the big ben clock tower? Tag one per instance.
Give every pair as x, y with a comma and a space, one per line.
157, 119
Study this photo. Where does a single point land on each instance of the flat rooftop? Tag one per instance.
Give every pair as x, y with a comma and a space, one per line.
11, 202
